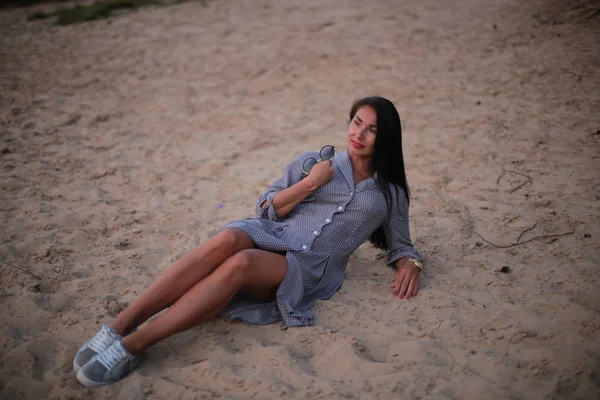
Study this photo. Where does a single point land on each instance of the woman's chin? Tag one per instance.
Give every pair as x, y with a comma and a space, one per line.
362, 152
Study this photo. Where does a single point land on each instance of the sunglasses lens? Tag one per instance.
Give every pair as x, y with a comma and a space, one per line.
327, 152
308, 164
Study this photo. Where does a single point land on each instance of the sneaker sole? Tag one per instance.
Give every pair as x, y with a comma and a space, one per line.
76, 367
89, 383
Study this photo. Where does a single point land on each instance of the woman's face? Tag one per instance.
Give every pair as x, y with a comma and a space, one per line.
362, 131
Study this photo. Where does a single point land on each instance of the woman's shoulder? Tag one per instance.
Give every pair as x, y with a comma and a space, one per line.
397, 191
391, 185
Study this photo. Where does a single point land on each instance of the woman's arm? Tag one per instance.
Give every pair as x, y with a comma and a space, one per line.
396, 230
290, 189
401, 250
287, 199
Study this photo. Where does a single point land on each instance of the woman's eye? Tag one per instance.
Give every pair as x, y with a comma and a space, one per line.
356, 123
373, 130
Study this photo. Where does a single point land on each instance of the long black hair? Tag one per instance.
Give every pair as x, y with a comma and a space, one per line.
387, 159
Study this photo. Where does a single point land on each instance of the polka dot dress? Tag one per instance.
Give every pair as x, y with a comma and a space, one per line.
318, 237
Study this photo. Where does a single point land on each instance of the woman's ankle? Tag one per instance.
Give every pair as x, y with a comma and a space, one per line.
121, 328
133, 345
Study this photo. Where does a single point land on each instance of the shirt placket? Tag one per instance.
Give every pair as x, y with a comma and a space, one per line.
317, 230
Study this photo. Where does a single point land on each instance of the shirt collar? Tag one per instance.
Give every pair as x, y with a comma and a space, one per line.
343, 163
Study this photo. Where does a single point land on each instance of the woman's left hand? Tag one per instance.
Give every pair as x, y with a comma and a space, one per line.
406, 283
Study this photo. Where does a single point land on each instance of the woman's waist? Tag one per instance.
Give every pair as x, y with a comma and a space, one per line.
324, 239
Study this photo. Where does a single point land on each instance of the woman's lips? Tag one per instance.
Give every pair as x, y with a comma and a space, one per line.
356, 145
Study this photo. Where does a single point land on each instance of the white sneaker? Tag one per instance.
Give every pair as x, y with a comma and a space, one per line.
105, 337
107, 367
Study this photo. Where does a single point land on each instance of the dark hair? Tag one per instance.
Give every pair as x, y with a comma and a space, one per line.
387, 160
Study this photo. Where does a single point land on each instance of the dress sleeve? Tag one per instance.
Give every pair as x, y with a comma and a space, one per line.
396, 229
291, 175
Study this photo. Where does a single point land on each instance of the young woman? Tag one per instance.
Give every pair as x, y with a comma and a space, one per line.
276, 266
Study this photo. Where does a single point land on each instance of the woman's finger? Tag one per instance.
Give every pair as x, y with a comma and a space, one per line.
398, 284
405, 282
411, 287
417, 281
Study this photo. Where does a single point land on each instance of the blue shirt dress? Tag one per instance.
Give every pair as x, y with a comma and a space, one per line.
318, 237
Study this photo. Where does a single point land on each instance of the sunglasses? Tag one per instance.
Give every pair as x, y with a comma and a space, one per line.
326, 153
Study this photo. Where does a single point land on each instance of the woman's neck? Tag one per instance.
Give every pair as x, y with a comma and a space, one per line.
361, 165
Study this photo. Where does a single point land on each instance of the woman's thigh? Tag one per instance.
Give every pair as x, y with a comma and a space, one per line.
260, 272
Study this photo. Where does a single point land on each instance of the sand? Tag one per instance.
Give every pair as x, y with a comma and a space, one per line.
126, 142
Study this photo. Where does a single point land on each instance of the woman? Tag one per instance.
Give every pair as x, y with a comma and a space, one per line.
275, 267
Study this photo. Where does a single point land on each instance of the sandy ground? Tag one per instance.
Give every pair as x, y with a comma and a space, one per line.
126, 142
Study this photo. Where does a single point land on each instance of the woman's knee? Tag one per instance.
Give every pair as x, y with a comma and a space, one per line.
232, 238
235, 268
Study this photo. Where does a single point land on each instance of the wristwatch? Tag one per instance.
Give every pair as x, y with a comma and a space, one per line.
418, 263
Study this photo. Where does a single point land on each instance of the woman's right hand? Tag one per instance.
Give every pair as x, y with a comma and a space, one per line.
320, 174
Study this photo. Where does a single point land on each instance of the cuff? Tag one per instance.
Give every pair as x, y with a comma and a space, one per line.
398, 254
268, 211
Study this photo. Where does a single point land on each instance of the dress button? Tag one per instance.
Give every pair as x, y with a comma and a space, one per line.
304, 247
328, 220
340, 208
315, 232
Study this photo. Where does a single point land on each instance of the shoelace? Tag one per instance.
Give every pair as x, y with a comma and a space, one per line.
111, 356
103, 340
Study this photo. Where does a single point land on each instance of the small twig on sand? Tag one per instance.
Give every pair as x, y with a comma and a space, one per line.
526, 241
500, 177
511, 191
519, 173
558, 266
511, 220
526, 230
529, 180
22, 269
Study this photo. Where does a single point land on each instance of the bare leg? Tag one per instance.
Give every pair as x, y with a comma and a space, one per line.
181, 277
257, 272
